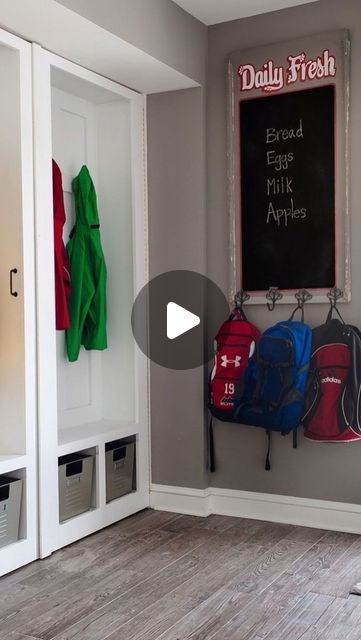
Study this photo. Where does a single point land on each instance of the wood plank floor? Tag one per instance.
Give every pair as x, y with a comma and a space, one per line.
161, 575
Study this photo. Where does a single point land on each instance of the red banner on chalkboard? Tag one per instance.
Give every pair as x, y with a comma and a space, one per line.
288, 167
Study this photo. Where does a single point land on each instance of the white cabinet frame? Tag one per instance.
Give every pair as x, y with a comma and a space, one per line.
52, 534
24, 465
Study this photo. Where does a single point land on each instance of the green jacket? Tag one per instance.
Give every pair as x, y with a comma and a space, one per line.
87, 304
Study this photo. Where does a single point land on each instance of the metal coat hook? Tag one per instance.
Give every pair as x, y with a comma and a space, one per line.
334, 295
273, 295
302, 296
239, 299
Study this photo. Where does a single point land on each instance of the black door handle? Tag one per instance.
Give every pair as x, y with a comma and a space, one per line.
12, 273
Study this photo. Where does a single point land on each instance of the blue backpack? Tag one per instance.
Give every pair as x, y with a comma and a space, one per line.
275, 380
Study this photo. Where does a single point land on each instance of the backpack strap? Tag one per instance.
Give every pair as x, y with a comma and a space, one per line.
261, 379
212, 464
333, 308
312, 396
238, 314
267, 465
299, 307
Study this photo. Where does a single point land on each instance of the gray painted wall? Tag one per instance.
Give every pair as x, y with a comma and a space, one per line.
159, 27
181, 234
177, 240
177, 213
330, 472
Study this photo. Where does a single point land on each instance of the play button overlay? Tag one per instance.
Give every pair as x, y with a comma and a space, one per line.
179, 320
175, 318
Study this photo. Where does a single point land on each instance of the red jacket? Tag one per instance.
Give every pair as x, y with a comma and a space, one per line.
62, 268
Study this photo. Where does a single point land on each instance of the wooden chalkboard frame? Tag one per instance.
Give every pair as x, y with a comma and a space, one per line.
337, 45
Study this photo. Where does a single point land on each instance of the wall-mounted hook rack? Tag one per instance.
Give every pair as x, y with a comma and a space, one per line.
273, 295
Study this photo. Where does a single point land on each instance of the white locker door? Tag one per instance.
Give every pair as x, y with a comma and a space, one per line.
17, 294
12, 358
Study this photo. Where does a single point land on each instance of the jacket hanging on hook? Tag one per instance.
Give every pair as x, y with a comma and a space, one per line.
62, 266
87, 305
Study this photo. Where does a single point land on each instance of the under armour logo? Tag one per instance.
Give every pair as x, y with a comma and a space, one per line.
225, 361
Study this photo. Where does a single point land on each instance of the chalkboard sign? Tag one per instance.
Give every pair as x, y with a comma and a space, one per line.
288, 167
287, 144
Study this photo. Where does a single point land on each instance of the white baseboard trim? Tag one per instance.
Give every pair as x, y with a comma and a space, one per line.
320, 514
193, 502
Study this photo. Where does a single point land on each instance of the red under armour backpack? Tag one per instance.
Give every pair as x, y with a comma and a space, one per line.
234, 345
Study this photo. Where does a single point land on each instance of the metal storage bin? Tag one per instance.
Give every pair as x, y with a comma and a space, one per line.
75, 484
10, 503
119, 466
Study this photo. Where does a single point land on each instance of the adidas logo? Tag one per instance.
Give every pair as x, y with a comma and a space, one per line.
328, 379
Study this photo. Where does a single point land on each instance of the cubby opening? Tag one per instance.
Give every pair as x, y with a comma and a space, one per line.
12, 507
120, 467
91, 126
78, 486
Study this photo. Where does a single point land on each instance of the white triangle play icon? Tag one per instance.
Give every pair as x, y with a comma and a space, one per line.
179, 320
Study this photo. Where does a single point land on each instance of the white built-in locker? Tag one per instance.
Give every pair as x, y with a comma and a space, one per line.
17, 301
82, 118
49, 407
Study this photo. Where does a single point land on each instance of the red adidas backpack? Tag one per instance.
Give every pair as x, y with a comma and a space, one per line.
334, 391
